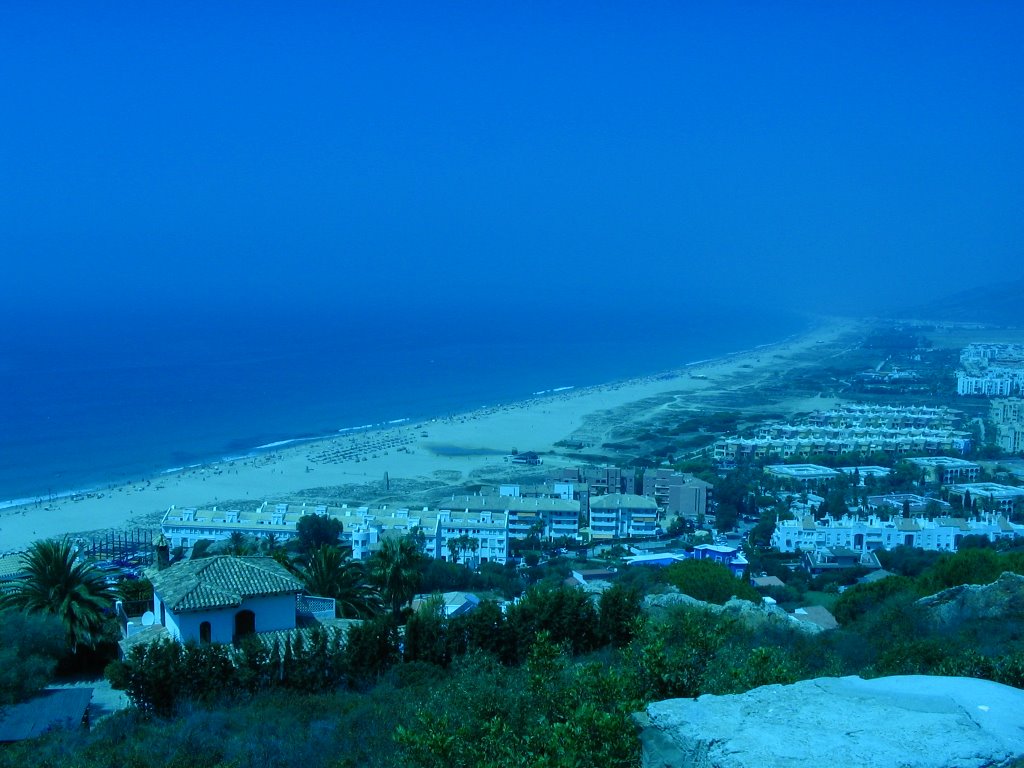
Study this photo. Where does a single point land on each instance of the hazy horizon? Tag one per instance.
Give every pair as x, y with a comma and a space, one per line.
825, 157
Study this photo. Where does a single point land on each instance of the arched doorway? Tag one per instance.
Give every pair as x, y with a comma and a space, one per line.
245, 624
205, 632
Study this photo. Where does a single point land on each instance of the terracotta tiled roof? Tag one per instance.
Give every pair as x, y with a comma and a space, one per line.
221, 582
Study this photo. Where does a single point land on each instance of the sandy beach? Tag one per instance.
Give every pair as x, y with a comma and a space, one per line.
448, 451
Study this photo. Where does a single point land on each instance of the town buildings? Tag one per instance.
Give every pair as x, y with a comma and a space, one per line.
622, 515
862, 429
804, 474
836, 441
363, 528
677, 494
895, 503
550, 518
991, 370
991, 497
856, 533
945, 469
1007, 417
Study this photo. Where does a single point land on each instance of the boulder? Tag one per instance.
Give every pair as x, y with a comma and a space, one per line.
912, 721
752, 615
1002, 599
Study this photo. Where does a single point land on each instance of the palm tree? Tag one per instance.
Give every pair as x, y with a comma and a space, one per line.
331, 572
58, 583
241, 545
395, 569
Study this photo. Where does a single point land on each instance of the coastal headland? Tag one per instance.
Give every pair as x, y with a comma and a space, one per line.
389, 464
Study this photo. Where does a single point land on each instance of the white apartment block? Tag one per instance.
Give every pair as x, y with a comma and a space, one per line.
835, 442
362, 527
994, 382
945, 469
1007, 415
982, 354
997, 497
801, 473
622, 515
869, 533
886, 416
549, 518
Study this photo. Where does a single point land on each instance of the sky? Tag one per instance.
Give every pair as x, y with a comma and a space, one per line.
295, 156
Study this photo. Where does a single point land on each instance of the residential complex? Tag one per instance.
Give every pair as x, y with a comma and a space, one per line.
547, 517
992, 370
598, 480
895, 503
805, 474
994, 382
363, 528
1007, 416
622, 515
873, 532
992, 497
677, 493
851, 429
833, 441
945, 470
886, 417
983, 354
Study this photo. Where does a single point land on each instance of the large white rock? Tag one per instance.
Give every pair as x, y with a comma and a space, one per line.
912, 721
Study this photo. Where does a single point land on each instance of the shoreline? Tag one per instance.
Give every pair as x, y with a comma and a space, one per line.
100, 486
398, 449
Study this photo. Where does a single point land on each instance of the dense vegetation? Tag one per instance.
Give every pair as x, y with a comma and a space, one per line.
550, 682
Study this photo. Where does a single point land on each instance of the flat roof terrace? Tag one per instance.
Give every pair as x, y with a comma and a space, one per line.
801, 471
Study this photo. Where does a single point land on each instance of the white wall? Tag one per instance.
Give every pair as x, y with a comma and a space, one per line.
272, 613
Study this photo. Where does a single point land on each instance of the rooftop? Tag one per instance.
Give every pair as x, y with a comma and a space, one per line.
221, 582
947, 462
623, 501
801, 471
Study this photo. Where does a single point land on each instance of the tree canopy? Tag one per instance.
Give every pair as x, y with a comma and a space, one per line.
60, 584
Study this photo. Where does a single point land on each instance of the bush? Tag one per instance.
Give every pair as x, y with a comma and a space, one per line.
708, 581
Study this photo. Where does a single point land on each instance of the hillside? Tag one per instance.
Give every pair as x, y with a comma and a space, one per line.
997, 304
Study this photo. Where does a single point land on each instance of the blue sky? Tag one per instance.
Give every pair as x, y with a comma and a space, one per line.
829, 155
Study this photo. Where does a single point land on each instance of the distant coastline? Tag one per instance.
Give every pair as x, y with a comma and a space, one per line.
292, 442
153, 434
472, 441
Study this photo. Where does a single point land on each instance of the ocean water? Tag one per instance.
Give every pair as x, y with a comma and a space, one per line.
90, 400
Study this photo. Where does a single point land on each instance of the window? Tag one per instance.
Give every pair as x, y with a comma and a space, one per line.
204, 633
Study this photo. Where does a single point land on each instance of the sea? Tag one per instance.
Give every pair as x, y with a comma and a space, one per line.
93, 399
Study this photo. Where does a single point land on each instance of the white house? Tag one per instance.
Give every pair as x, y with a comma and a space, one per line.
220, 599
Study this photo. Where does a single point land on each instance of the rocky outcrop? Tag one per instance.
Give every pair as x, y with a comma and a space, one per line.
752, 615
1002, 599
906, 722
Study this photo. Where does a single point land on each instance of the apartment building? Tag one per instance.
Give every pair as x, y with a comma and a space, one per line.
993, 496
945, 469
363, 528
677, 493
550, 518
836, 442
1007, 416
858, 533
622, 515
